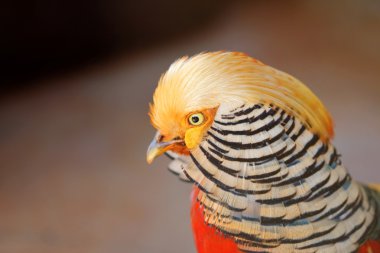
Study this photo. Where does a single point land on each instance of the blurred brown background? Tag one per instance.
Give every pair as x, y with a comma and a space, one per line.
76, 80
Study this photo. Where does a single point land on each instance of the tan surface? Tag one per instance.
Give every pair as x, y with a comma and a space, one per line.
73, 174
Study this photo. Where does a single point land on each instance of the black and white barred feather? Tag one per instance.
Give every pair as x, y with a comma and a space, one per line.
274, 186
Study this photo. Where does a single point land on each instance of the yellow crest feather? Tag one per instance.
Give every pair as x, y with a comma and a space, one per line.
208, 79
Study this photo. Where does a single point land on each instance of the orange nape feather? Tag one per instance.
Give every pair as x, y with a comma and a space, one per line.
207, 80
207, 239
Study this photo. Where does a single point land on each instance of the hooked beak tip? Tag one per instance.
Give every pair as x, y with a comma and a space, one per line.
149, 160
150, 155
157, 148
153, 151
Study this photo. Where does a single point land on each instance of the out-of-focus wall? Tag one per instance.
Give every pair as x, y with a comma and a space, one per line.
43, 36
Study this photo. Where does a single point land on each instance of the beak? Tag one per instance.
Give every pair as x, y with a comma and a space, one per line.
157, 147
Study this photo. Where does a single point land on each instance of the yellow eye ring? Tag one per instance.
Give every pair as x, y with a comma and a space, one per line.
196, 119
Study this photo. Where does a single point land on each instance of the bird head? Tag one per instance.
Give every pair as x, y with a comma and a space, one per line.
189, 94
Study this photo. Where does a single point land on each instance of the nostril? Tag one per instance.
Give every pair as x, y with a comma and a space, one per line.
158, 137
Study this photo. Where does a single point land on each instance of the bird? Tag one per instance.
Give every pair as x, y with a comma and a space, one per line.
257, 145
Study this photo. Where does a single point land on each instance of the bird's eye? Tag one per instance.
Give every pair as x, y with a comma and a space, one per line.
196, 119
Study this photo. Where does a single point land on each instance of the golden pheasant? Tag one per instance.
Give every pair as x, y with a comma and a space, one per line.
256, 143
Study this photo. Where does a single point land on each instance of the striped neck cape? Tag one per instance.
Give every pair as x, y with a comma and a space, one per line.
272, 185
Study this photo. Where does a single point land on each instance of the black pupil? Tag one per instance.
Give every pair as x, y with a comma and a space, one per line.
195, 119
